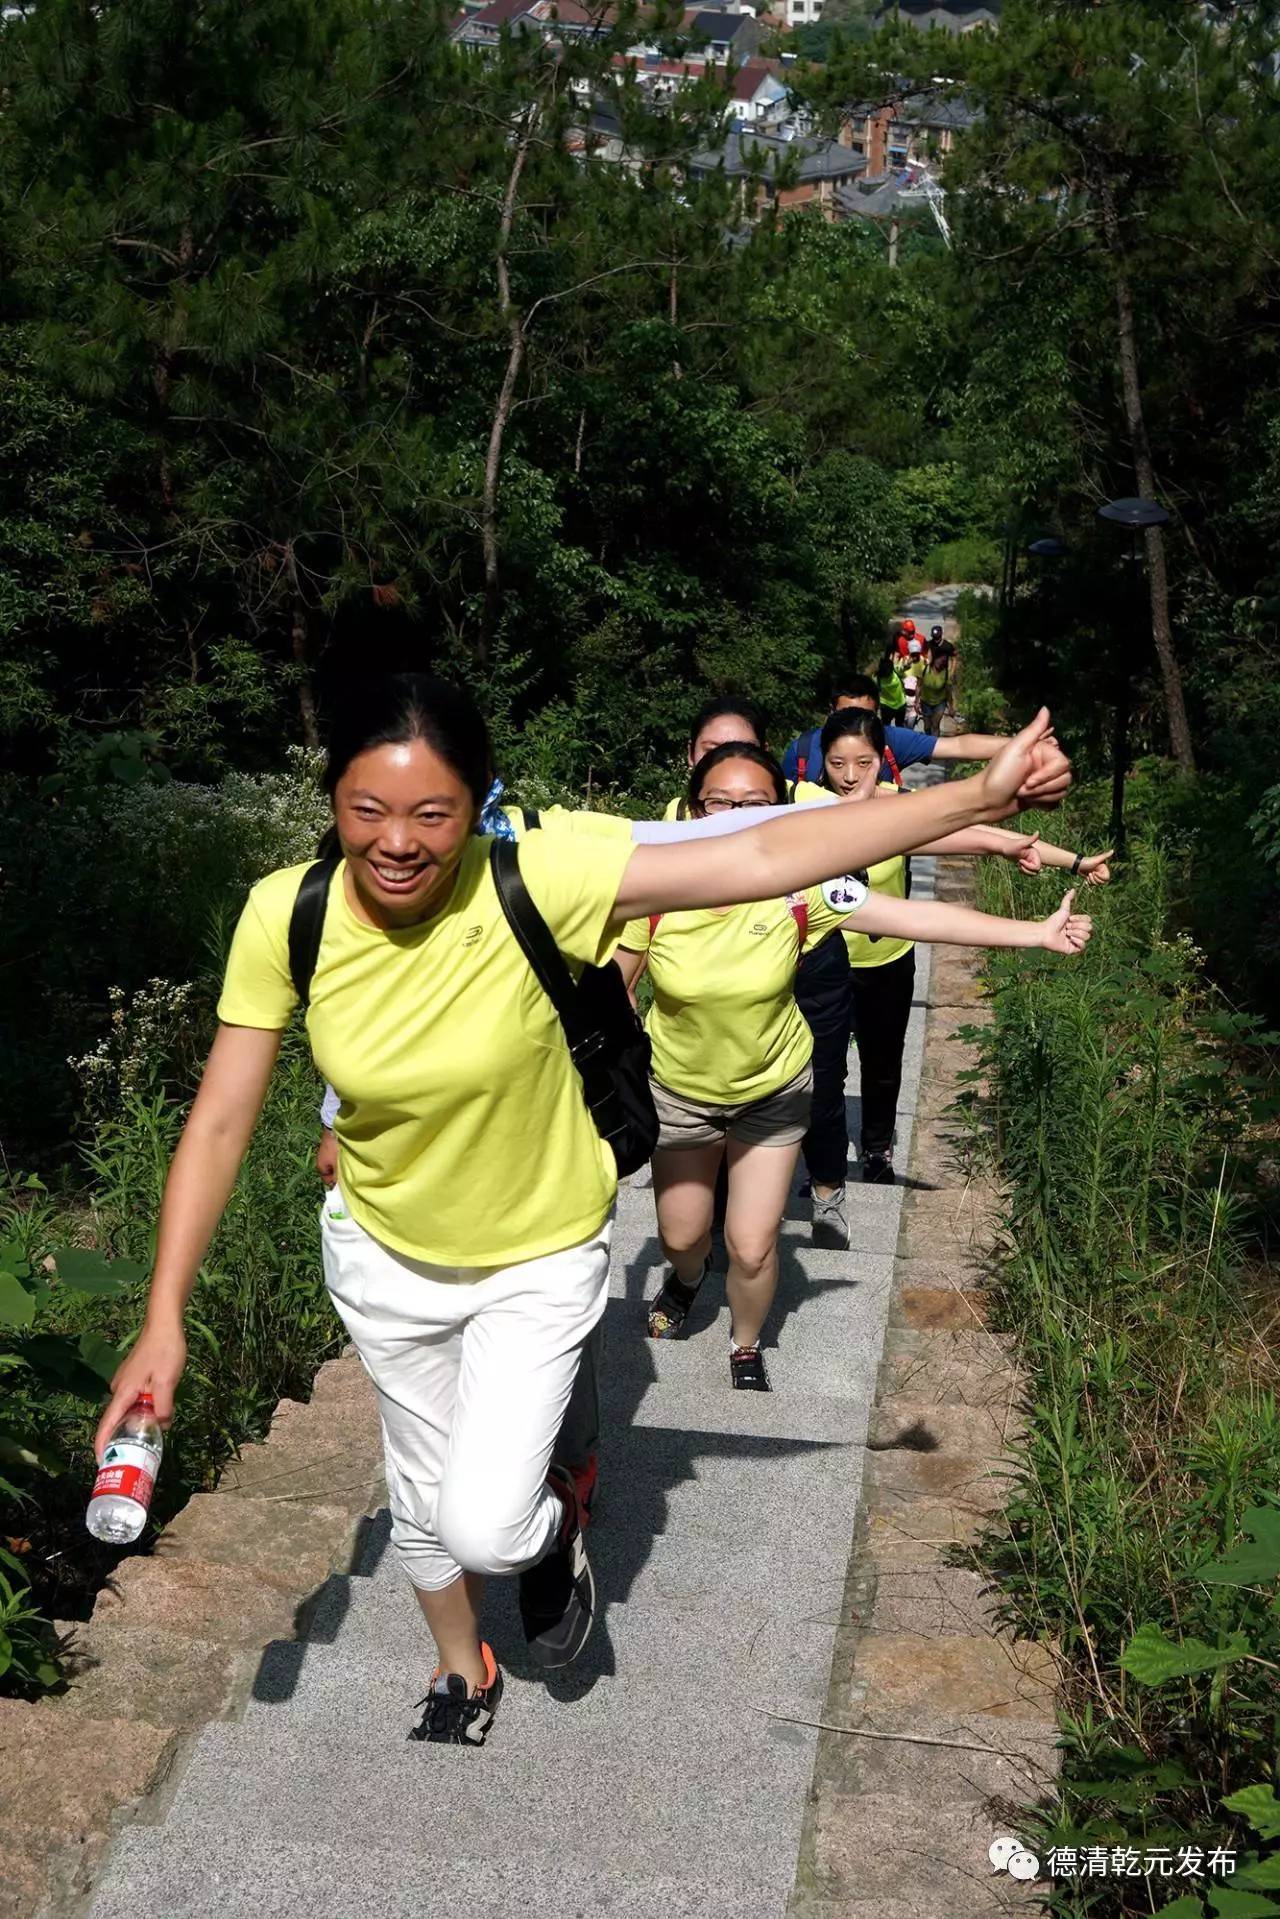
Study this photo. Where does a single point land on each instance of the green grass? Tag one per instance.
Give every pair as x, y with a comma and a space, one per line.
1127, 1108
260, 1322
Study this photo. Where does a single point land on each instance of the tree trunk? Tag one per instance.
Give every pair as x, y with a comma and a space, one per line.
162, 379
306, 692
1144, 474
506, 395
302, 656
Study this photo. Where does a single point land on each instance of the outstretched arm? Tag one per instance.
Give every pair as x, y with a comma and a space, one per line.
969, 746
819, 842
1031, 852
940, 923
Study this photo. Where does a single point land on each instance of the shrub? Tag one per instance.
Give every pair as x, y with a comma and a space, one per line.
120, 885
260, 1322
1123, 1099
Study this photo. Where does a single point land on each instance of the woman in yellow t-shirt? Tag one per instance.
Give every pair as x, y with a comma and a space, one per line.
466, 1243
882, 972
731, 1069
717, 721
937, 683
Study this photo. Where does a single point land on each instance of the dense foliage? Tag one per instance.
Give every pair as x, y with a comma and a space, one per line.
1132, 1114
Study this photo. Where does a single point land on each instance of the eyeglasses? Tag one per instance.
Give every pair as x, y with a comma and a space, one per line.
717, 804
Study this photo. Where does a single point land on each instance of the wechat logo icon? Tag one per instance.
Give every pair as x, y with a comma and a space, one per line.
1011, 1856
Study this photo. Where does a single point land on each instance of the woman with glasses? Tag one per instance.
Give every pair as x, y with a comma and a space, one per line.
731, 1069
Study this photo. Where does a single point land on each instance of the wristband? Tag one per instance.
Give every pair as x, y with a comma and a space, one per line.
1075, 864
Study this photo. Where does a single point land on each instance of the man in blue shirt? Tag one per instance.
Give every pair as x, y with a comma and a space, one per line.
803, 758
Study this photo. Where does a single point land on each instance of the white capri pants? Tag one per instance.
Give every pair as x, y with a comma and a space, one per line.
474, 1367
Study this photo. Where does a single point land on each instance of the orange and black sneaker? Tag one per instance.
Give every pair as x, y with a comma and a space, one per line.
456, 1716
558, 1594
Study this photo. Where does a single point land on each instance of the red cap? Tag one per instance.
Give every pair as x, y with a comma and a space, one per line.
145, 1399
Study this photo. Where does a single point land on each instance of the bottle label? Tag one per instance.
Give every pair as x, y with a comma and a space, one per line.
128, 1471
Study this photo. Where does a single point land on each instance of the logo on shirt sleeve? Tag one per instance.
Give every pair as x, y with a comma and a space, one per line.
845, 894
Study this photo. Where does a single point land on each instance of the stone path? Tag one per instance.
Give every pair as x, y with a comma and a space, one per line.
670, 1770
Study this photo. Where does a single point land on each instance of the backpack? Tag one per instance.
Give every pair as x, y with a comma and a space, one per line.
607, 1044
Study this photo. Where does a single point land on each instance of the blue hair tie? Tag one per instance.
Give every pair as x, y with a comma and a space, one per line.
493, 819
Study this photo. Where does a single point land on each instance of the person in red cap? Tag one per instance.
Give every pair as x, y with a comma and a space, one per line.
907, 633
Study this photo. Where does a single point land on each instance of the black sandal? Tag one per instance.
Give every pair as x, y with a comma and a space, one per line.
672, 1304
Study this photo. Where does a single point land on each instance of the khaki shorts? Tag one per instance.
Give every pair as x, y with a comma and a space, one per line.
779, 1119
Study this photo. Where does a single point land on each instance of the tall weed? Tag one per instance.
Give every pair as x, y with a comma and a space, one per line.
260, 1322
1125, 1100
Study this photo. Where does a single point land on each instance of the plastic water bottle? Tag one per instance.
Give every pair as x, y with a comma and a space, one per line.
127, 1476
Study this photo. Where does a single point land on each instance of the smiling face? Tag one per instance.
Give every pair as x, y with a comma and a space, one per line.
853, 767
403, 817
734, 783
725, 729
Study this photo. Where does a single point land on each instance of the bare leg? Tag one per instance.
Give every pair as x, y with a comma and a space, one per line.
452, 1613
684, 1186
759, 1182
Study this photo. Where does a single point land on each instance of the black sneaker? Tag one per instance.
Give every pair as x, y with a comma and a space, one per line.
558, 1595
672, 1304
877, 1169
456, 1716
746, 1370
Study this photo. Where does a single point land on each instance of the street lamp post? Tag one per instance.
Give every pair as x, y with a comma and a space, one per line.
1136, 515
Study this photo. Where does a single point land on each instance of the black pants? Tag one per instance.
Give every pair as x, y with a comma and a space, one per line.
873, 1003
823, 994
881, 1007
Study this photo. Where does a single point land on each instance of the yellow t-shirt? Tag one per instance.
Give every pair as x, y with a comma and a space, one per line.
888, 878
724, 1023
573, 819
809, 793
464, 1137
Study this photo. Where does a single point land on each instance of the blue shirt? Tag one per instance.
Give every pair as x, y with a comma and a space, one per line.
906, 745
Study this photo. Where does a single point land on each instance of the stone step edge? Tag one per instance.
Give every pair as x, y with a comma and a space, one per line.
924, 1500
173, 1642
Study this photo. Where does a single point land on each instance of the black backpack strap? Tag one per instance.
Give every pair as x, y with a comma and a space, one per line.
306, 923
531, 818
538, 945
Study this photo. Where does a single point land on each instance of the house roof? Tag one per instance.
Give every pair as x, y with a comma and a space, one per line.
710, 25
748, 79
502, 13
819, 159
498, 13
923, 110
959, 9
